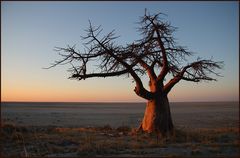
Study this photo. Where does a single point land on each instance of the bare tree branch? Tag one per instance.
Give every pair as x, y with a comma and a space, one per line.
195, 72
156, 51
110, 74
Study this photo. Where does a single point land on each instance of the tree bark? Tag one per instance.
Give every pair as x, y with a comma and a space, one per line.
157, 117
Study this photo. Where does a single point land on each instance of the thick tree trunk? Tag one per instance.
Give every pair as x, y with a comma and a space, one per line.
157, 117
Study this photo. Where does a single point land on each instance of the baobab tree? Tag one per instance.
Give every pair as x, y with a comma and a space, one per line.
155, 54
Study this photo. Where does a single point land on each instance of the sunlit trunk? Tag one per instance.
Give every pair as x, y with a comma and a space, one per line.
157, 117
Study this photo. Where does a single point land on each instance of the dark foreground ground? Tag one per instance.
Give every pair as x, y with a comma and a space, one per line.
50, 141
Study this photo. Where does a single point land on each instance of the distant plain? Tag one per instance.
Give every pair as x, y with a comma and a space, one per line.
187, 114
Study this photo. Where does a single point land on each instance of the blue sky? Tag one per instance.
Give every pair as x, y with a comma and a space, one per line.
30, 31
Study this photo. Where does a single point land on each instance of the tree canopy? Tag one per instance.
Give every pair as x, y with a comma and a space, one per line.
156, 51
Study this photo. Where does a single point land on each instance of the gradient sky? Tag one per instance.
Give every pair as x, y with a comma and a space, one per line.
30, 31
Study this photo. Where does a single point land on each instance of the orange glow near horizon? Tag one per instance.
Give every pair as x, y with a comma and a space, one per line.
79, 92
75, 92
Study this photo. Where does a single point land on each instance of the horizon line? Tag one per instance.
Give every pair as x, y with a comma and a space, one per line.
110, 101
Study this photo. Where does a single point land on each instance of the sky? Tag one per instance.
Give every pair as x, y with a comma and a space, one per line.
31, 30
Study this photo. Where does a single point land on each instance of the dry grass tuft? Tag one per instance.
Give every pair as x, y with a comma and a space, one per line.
93, 141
